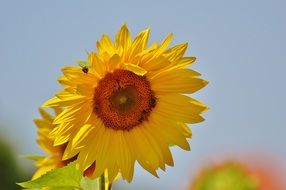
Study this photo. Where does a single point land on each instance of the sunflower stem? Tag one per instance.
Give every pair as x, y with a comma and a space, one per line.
104, 184
109, 186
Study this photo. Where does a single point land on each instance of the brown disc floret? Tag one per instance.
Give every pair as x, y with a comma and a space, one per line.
123, 100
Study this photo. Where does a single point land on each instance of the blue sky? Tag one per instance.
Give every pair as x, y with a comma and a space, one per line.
240, 46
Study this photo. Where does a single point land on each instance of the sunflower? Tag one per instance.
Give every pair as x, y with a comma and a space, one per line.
127, 103
54, 159
228, 175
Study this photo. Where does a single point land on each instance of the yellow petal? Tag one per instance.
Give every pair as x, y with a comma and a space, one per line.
186, 130
161, 142
97, 64
83, 132
53, 102
155, 65
139, 44
99, 151
169, 129
69, 152
77, 75
46, 115
65, 81
112, 165
177, 81
183, 114
61, 140
180, 64
65, 101
145, 156
57, 129
183, 62
89, 154
154, 145
182, 102
164, 45
105, 45
43, 124
176, 52
135, 69
114, 62
78, 112
123, 38
124, 158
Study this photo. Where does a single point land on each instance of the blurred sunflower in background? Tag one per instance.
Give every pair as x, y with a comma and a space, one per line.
128, 102
234, 175
227, 176
54, 158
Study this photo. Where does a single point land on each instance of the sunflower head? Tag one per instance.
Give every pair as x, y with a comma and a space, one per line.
227, 176
127, 102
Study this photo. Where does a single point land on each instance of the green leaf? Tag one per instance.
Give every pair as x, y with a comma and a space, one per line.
57, 188
90, 184
62, 188
66, 177
32, 157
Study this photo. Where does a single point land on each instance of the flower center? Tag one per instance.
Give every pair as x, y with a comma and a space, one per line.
123, 100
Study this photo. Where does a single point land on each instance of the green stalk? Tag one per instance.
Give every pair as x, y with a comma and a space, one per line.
109, 186
102, 182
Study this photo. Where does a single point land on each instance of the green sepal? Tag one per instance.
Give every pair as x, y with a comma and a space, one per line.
32, 157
